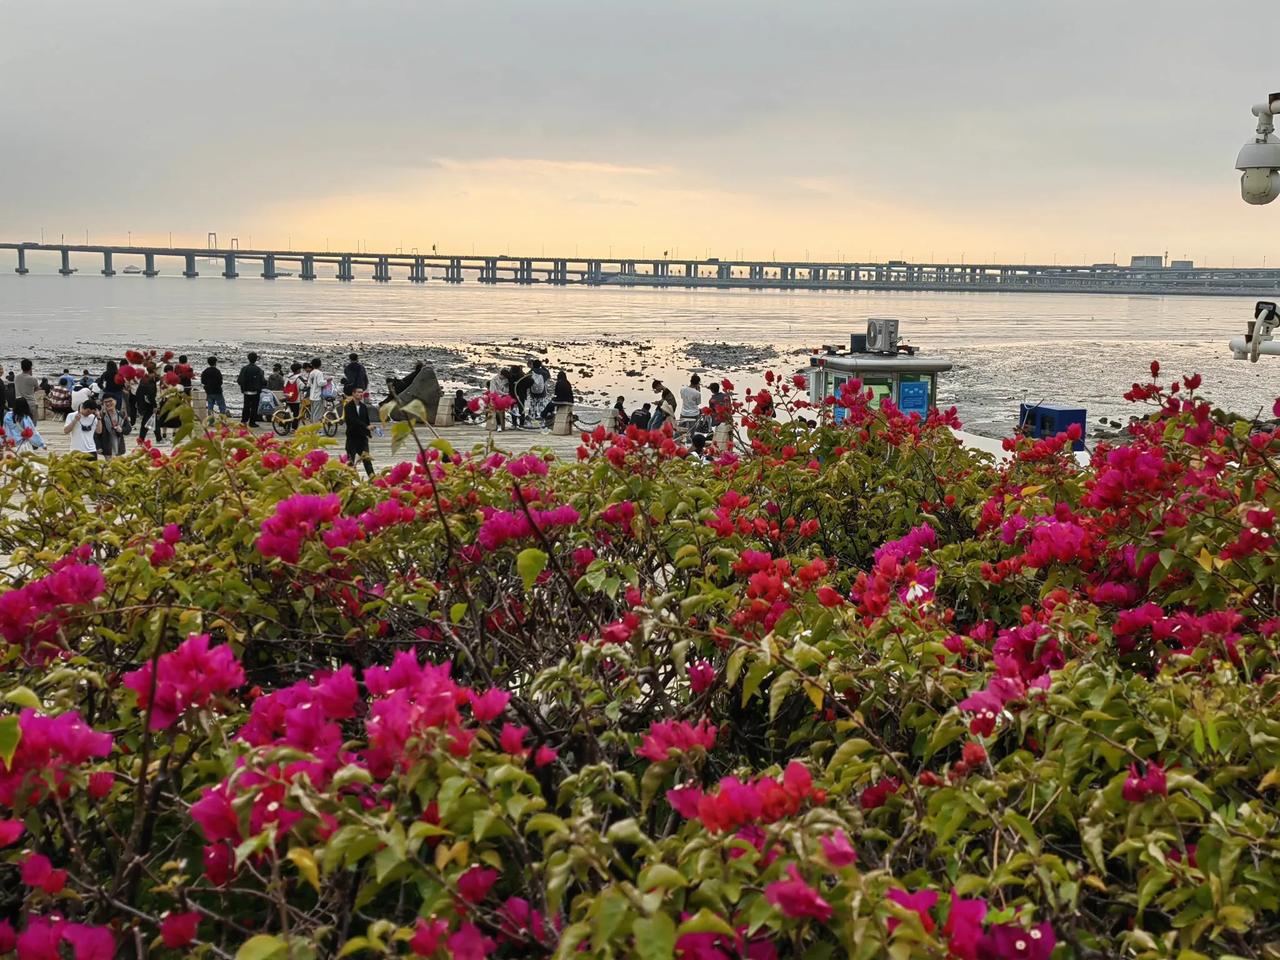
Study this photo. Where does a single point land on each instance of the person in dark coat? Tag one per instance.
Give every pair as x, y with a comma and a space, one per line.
145, 400
250, 382
516, 374
641, 416
620, 417
211, 380
354, 375
356, 416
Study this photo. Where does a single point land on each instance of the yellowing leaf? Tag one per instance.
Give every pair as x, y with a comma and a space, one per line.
1205, 560
306, 864
262, 947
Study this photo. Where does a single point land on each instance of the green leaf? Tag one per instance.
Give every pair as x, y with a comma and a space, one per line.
655, 937
457, 612
778, 691
264, 946
704, 921
755, 676
847, 751
10, 734
23, 697
529, 563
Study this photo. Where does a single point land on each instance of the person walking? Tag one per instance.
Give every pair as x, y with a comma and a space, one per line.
145, 402
112, 427
112, 384
354, 375
211, 380
356, 416
83, 427
666, 408
315, 392
20, 427
250, 382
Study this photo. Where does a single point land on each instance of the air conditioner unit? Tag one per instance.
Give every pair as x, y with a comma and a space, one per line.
882, 335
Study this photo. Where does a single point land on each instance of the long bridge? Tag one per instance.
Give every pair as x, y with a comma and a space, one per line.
665, 272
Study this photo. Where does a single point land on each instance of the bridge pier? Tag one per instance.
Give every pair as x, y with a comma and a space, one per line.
724, 271
489, 270
66, 270
595, 271
22, 270
524, 273
149, 265
418, 270
190, 271
453, 270
308, 271
106, 264
229, 270
559, 273
382, 270
269, 267
344, 269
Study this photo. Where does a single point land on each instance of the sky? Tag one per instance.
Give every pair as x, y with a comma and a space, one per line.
924, 130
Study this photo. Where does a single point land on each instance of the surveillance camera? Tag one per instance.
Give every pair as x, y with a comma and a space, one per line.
1260, 160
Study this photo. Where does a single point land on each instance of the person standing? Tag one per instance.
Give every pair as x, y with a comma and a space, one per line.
620, 418
275, 379
24, 384
211, 380
83, 427
691, 401
293, 392
666, 408
112, 383
111, 428
250, 382
315, 391
356, 416
499, 386
354, 375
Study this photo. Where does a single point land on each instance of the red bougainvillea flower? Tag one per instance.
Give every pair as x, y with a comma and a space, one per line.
876, 794
38, 871
544, 755
474, 885
702, 676
179, 929
189, 677
920, 902
795, 898
10, 831
88, 943
963, 928
838, 850
427, 936
1138, 786
677, 735
48, 748
512, 739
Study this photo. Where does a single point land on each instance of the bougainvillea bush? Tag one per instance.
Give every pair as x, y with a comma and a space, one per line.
841, 690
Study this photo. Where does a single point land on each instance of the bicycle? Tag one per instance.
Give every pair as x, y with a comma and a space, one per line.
284, 422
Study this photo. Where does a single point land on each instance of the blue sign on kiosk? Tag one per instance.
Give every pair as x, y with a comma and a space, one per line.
913, 397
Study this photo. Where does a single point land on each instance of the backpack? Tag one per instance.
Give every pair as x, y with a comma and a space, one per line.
327, 392
291, 391
538, 386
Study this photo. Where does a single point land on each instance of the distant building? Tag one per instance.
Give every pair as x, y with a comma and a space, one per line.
1146, 263
1182, 264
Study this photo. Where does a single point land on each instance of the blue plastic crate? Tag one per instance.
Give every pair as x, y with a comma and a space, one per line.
1049, 419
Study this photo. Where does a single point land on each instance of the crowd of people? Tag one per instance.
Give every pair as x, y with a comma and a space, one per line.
99, 412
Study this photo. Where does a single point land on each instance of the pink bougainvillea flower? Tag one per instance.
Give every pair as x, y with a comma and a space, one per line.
189, 677
795, 898
468, 943
684, 800
920, 902
489, 705
179, 929
1008, 942
8, 937
838, 850
89, 943
474, 885
702, 676
677, 735
1138, 786
512, 739
427, 936
544, 755
10, 831
963, 928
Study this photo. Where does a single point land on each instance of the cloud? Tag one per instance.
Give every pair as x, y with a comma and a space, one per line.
539, 166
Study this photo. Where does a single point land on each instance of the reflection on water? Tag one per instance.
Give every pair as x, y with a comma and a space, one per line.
1007, 346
